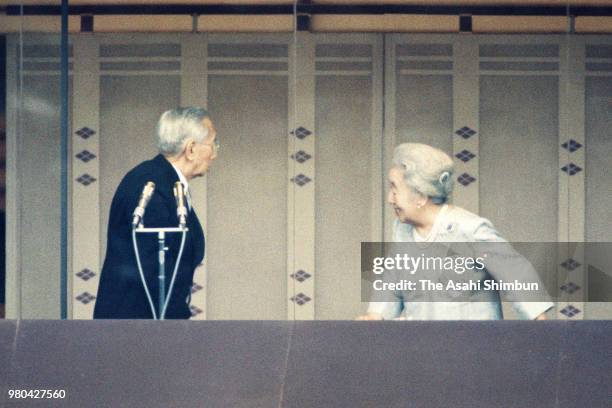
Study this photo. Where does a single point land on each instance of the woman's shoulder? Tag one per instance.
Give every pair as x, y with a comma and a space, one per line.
464, 222
461, 214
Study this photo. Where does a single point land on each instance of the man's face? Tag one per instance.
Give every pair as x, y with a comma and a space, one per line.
206, 151
401, 197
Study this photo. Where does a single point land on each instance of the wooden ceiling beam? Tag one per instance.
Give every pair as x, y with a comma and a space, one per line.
314, 8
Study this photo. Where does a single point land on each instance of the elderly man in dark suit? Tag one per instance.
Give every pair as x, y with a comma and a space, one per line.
187, 145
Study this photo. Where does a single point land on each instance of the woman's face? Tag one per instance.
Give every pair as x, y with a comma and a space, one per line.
401, 197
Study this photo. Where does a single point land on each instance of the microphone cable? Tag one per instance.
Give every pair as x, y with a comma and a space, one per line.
174, 273
176, 265
138, 217
142, 278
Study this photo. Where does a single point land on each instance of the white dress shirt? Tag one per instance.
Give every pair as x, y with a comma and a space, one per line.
183, 181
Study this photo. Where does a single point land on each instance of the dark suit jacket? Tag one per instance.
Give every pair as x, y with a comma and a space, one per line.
121, 294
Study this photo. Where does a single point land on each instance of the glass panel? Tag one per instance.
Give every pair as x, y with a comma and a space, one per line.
344, 189
33, 170
519, 118
490, 102
518, 155
307, 124
247, 203
598, 116
120, 84
591, 49
243, 81
3, 178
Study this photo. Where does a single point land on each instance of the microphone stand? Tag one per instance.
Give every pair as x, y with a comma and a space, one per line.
162, 248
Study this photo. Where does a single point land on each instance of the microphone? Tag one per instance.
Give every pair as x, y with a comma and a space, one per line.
181, 209
145, 197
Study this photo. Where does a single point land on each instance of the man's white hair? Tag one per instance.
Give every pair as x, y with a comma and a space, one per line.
176, 125
426, 169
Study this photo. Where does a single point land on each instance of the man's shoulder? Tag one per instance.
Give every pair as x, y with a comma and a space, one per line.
146, 167
148, 170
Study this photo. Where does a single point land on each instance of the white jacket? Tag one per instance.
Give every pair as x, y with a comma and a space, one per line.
503, 263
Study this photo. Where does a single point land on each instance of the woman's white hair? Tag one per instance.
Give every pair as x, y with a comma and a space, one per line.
176, 125
426, 169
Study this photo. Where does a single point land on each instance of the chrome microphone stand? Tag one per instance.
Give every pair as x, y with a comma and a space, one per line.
161, 276
138, 228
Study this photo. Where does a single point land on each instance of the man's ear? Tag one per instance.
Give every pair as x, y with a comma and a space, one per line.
189, 148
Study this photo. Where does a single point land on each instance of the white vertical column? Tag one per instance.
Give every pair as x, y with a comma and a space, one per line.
389, 126
85, 172
13, 191
194, 92
466, 99
301, 187
376, 144
572, 277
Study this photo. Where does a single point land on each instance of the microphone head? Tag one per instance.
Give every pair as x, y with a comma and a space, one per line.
147, 191
181, 210
179, 194
145, 197
178, 187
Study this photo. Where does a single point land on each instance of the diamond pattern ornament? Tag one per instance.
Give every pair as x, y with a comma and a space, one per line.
571, 169
570, 264
86, 179
85, 274
300, 275
570, 287
465, 179
465, 156
301, 179
195, 288
570, 311
301, 156
85, 132
301, 132
195, 310
465, 132
300, 299
85, 298
85, 156
571, 145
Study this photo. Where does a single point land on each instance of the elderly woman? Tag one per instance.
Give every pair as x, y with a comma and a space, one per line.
421, 180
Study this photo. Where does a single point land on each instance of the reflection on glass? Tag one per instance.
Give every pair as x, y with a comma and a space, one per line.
309, 119
33, 171
589, 92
